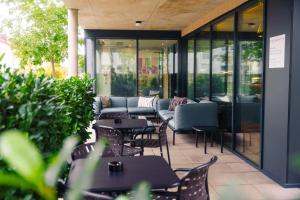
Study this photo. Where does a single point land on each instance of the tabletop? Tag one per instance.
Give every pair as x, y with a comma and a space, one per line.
125, 124
152, 169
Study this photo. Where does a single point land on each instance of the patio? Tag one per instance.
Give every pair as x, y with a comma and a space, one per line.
230, 178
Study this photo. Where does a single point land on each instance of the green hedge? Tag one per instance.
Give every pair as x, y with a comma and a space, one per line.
48, 110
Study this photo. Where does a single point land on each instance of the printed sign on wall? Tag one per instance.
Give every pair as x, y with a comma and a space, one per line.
277, 51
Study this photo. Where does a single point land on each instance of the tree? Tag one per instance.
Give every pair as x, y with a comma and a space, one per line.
38, 31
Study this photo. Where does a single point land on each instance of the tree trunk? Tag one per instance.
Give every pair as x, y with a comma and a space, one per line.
53, 69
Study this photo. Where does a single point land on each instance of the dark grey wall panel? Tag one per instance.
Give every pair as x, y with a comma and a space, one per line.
294, 129
276, 93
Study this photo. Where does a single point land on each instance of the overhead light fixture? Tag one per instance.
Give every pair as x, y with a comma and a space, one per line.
138, 23
251, 25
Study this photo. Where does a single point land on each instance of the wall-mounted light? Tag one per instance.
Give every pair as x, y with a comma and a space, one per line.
138, 23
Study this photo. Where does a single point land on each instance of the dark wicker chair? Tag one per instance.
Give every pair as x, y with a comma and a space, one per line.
83, 150
192, 186
154, 143
116, 115
116, 141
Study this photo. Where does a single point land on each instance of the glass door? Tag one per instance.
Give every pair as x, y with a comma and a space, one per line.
249, 82
222, 74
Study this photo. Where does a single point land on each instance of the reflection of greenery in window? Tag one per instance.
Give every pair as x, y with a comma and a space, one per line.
190, 87
116, 67
250, 70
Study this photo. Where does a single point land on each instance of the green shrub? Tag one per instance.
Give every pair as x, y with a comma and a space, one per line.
48, 110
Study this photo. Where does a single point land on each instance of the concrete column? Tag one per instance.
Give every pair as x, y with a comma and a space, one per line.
73, 42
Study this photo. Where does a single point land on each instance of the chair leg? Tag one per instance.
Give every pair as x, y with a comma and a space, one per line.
174, 137
167, 146
196, 137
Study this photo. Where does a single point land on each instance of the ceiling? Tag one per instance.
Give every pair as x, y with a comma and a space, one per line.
155, 14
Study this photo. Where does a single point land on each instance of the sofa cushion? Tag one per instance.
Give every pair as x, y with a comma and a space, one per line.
106, 102
134, 110
132, 101
145, 102
177, 101
113, 110
166, 114
118, 102
172, 124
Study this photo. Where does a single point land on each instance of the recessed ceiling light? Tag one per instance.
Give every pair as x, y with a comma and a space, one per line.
251, 24
138, 23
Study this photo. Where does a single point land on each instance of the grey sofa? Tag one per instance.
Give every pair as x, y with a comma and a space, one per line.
124, 104
186, 116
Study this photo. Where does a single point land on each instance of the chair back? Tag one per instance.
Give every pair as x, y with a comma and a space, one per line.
114, 137
162, 131
116, 115
82, 151
194, 185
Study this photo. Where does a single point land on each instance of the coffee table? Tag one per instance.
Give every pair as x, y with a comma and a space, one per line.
152, 169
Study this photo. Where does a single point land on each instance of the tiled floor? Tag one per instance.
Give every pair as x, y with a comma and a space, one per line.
230, 178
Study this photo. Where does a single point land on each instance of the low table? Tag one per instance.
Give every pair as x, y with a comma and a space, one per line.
125, 124
205, 130
152, 169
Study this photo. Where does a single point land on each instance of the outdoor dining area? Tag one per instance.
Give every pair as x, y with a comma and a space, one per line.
126, 161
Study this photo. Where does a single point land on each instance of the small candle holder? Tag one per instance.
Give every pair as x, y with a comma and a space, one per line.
115, 166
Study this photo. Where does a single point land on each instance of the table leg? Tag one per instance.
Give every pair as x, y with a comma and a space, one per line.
196, 137
222, 134
211, 138
204, 141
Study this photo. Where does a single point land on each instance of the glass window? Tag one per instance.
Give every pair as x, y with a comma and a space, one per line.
116, 67
190, 78
249, 94
222, 73
153, 66
202, 64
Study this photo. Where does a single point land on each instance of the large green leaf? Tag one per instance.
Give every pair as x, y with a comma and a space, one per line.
22, 155
12, 180
84, 180
55, 166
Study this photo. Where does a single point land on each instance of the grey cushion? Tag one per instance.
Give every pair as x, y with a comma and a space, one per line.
132, 101
135, 110
118, 102
172, 124
113, 110
166, 114
97, 105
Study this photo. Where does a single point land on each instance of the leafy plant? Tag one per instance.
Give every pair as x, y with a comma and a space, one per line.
48, 110
32, 173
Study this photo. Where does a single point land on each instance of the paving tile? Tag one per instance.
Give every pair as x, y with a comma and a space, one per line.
238, 192
230, 178
275, 191
241, 167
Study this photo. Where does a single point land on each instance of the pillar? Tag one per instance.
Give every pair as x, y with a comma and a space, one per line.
73, 42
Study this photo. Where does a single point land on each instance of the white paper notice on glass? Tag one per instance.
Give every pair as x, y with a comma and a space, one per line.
277, 51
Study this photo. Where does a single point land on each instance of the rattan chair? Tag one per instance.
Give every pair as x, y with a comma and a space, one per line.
83, 150
154, 143
192, 186
116, 141
116, 115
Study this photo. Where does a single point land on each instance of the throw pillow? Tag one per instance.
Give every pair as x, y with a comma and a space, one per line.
145, 102
177, 101
106, 102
